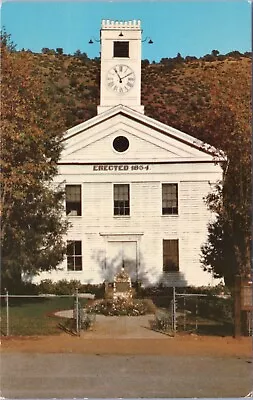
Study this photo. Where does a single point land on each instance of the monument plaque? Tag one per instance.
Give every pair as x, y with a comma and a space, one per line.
122, 286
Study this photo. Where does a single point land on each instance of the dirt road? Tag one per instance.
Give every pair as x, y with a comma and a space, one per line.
163, 345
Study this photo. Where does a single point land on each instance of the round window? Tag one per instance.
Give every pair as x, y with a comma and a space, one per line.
120, 144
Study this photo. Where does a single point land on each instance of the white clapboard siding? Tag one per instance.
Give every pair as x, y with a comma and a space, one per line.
147, 222
153, 158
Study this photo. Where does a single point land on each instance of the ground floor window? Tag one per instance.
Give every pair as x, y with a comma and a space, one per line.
170, 255
74, 255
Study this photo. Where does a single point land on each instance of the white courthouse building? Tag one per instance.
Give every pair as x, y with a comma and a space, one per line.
135, 187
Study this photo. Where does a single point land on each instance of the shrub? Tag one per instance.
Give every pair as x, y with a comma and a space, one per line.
119, 307
162, 322
97, 289
86, 322
65, 287
46, 286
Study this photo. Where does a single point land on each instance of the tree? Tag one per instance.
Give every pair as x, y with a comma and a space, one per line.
209, 57
59, 50
215, 53
227, 250
46, 50
234, 54
82, 56
190, 58
77, 53
31, 208
179, 59
145, 62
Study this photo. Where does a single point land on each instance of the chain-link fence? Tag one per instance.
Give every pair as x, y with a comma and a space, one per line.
44, 314
176, 312
200, 313
204, 314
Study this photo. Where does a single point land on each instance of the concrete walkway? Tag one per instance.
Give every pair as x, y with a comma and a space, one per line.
123, 327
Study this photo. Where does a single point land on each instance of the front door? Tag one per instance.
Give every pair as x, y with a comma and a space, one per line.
122, 254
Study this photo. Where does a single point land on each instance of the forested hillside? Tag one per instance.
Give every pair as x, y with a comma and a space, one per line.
179, 92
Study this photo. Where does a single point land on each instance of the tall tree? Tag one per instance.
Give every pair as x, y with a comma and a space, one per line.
227, 250
31, 208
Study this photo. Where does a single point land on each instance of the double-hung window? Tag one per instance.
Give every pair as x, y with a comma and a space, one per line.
73, 200
170, 255
121, 199
169, 199
74, 255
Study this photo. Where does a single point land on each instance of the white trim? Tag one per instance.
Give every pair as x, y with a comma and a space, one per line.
175, 133
121, 234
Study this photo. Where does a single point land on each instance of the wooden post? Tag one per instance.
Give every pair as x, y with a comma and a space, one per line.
7, 313
237, 307
77, 314
174, 311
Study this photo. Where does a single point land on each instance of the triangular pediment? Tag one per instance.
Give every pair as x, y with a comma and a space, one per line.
149, 140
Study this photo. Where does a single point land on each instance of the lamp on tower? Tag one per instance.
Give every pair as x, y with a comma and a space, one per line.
150, 40
94, 39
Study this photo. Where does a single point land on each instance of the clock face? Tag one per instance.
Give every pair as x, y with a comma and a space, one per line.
120, 79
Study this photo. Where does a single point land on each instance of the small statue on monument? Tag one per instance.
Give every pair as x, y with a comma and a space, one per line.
122, 285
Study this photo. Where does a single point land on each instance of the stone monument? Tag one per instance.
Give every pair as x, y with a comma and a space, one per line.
122, 286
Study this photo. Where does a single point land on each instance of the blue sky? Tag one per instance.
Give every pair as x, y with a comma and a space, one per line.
187, 27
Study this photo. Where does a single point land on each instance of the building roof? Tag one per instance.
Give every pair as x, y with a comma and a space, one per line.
124, 120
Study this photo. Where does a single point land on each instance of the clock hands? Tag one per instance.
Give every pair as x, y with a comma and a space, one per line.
120, 79
130, 73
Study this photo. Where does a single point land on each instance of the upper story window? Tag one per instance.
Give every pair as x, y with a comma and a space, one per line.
170, 255
120, 49
74, 255
73, 200
121, 200
169, 198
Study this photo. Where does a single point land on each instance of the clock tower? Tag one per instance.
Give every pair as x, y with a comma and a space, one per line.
120, 81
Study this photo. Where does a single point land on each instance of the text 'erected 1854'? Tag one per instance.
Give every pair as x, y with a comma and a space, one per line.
121, 167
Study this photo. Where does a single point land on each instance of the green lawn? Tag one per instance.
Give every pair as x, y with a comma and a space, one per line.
34, 316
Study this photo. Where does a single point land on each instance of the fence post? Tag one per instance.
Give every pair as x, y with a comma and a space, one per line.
174, 310
237, 307
184, 314
77, 313
7, 313
196, 323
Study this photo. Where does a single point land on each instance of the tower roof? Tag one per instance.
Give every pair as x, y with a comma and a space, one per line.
109, 24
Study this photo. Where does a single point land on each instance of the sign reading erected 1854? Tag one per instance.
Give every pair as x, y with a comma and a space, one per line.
121, 167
